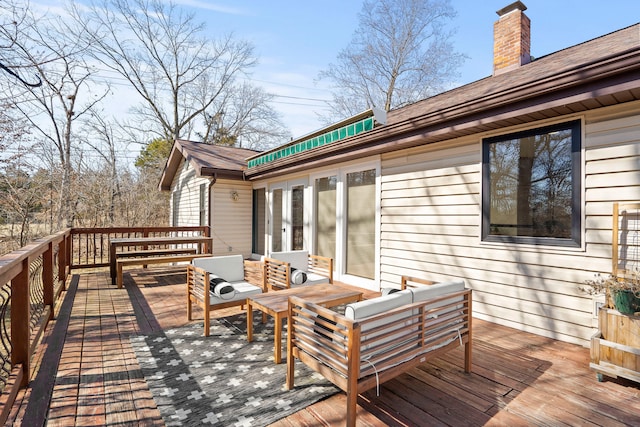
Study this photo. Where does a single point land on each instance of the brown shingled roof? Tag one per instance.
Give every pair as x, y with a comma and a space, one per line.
548, 68
207, 160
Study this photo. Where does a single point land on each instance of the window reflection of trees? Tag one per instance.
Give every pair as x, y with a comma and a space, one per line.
531, 185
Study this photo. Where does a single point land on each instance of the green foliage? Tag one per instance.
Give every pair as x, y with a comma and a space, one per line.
154, 154
225, 137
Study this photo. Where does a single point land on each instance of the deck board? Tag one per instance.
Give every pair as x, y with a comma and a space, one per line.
90, 376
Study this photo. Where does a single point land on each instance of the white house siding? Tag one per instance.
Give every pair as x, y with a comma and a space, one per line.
430, 227
187, 184
231, 219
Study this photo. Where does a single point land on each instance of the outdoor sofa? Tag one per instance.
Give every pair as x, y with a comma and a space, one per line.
377, 339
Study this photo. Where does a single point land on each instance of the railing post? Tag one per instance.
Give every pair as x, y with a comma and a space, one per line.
69, 256
47, 278
20, 333
62, 263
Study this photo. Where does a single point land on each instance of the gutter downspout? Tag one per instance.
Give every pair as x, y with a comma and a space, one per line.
210, 203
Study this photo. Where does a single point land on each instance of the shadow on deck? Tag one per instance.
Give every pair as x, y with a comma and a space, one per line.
89, 374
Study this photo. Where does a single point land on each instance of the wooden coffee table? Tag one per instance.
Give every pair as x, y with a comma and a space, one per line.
276, 304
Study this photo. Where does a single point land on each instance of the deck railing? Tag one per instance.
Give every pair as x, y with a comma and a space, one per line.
90, 246
32, 280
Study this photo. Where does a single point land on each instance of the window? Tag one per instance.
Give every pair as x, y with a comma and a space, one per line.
203, 204
531, 186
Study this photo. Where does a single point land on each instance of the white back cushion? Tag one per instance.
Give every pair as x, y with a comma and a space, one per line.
297, 259
363, 309
230, 267
423, 293
370, 307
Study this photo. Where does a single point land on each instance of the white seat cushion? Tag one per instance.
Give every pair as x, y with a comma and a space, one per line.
316, 279
243, 291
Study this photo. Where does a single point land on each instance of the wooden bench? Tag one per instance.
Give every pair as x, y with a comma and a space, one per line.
156, 252
120, 262
378, 339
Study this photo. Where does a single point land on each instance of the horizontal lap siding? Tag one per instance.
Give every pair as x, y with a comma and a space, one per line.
430, 227
231, 219
612, 171
188, 185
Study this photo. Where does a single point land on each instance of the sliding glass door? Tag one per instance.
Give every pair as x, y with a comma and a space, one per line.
277, 219
325, 216
297, 217
288, 216
360, 224
258, 224
345, 221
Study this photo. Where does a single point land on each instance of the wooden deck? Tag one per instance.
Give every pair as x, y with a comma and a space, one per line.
89, 374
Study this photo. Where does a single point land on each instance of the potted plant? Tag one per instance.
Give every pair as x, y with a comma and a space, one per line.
622, 291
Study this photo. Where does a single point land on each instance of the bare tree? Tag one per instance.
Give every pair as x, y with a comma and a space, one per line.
399, 54
13, 18
19, 194
13, 133
102, 135
160, 50
65, 95
20, 199
243, 118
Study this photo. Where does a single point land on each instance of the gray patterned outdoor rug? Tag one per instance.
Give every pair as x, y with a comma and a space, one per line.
223, 380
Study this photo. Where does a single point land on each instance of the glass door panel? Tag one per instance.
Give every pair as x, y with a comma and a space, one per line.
297, 217
277, 223
325, 216
259, 229
361, 209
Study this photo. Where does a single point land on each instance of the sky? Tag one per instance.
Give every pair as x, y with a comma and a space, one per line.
296, 39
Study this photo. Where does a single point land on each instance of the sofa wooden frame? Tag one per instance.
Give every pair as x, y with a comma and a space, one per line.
278, 273
335, 346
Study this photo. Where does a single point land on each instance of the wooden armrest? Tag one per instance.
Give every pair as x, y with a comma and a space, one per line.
197, 277
254, 273
198, 283
276, 274
413, 282
322, 332
321, 265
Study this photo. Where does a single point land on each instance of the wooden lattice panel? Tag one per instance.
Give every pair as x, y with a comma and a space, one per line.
626, 239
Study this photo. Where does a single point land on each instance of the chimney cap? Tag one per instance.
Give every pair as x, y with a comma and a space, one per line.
518, 5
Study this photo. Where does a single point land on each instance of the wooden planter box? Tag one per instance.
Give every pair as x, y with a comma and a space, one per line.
615, 348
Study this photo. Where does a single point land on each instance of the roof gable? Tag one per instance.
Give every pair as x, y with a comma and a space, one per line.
206, 159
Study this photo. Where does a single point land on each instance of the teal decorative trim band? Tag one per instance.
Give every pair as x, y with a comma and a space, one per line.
349, 130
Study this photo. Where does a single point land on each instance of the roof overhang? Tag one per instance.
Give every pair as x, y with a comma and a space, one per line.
608, 81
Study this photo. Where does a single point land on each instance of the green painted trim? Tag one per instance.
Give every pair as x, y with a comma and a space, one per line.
330, 137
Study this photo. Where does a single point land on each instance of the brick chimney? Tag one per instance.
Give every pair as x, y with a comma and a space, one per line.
511, 38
